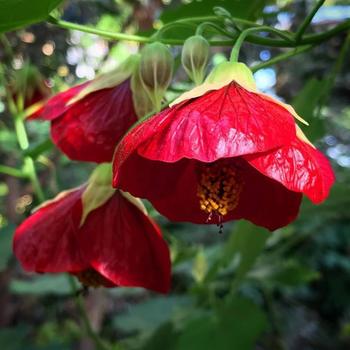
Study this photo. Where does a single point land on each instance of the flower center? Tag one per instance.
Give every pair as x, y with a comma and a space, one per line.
219, 188
91, 278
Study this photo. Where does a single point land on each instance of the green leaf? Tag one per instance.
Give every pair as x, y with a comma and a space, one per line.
246, 241
149, 315
41, 285
241, 250
19, 13
13, 338
235, 326
247, 9
290, 273
200, 266
306, 103
164, 338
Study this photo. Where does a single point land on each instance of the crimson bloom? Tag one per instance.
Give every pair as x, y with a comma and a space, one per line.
89, 119
223, 151
101, 235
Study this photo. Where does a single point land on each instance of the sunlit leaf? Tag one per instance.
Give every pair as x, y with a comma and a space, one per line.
19, 13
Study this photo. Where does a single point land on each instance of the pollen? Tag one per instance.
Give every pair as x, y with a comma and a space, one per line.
91, 278
219, 188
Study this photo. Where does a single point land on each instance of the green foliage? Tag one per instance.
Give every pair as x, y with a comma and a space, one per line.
148, 316
248, 9
245, 243
13, 339
5, 245
42, 285
234, 325
306, 104
19, 13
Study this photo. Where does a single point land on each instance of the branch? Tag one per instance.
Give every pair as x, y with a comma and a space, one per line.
308, 20
254, 39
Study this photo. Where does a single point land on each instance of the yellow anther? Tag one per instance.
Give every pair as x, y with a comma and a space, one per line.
219, 188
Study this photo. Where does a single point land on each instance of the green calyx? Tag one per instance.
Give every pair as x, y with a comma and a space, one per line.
156, 70
98, 190
141, 99
102, 175
110, 79
232, 71
194, 57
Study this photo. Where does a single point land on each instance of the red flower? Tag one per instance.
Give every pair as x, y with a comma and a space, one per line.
115, 244
223, 151
88, 120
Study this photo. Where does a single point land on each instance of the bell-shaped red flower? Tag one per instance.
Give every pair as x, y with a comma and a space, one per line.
88, 120
223, 151
101, 235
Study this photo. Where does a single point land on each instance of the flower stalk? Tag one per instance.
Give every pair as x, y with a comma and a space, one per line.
254, 39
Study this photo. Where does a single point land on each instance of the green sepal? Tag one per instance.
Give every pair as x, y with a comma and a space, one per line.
98, 190
110, 79
232, 71
141, 100
194, 57
156, 71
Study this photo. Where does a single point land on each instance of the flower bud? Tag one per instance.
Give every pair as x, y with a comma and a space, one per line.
195, 54
156, 69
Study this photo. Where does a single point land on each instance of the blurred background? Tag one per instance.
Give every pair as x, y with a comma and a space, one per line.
294, 295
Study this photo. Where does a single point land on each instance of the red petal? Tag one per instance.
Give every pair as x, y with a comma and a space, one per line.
265, 202
57, 105
47, 242
223, 123
172, 189
299, 167
125, 246
91, 128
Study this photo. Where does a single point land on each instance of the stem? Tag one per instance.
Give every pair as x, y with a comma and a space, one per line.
216, 19
7, 170
158, 34
28, 161
79, 302
102, 33
201, 27
282, 57
308, 20
308, 39
7, 45
246, 32
35, 151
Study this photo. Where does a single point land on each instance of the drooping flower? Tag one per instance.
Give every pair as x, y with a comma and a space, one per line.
89, 119
223, 151
101, 235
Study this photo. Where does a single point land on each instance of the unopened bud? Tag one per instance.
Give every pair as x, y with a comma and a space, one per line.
195, 55
156, 69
